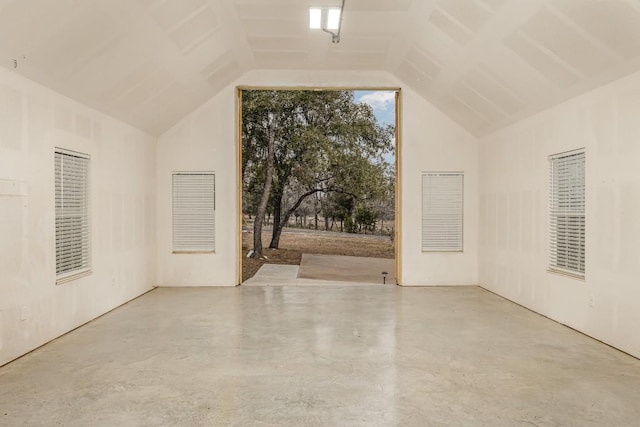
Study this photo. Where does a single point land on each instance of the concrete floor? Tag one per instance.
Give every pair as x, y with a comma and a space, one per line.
335, 356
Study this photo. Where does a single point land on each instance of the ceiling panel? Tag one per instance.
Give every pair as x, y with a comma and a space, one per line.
275, 27
378, 5
487, 109
492, 4
493, 90
485, 63
413, 75
171, 13
224, 74
544, 61
365, 42
292, 12
450, 27
470, 14
614, 23
223, 61
195, 29
67, 46
134, 77
277, 43
357, 59
549, 30
281, 59
461, 112
424, 62
148, 87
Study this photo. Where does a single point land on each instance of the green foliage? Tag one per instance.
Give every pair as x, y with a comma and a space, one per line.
325, 142
350, 225
365, 219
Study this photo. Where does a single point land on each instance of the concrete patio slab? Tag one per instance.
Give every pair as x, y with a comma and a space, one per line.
273, 274
346, 268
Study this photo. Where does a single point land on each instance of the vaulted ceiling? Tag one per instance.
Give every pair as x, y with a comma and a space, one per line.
485, 63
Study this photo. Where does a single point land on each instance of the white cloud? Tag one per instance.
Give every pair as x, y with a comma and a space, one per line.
379, 101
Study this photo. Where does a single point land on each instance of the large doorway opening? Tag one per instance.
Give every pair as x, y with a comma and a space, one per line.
318, 182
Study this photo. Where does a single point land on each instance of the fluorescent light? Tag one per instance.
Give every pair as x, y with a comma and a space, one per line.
315, 18
333, 19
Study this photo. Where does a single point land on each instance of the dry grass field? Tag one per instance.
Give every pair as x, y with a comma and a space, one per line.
294, 243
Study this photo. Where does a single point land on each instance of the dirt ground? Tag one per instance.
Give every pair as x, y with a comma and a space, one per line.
294, 244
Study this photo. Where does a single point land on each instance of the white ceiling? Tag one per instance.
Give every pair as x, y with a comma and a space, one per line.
485, 63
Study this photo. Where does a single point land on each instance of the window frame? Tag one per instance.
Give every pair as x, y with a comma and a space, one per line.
61, 214
572, 217
182, 248
459, 245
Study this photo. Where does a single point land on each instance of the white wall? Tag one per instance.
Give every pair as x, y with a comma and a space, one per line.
34, 120
206, 141
433, 143
513, 212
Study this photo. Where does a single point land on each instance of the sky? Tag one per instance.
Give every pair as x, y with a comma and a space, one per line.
383, 104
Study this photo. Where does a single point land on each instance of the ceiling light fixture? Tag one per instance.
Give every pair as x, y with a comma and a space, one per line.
327, 19
315, 18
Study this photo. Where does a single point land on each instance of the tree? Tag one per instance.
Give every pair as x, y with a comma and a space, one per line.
324, 143
365, 219
264, 123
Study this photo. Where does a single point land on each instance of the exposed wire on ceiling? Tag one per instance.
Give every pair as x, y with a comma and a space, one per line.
335, 37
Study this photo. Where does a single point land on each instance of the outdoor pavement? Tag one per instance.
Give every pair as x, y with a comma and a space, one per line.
326, 270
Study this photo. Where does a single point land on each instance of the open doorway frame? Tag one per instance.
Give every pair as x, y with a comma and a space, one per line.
398, 167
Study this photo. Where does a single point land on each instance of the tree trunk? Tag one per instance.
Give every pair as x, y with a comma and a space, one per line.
277, 212
326, 223
279, 225
262, 207
316, 221
275, 237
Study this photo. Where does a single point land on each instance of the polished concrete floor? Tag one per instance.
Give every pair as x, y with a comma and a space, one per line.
331, 356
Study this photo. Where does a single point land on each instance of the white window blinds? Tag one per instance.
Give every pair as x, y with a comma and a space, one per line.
194, 212
442, 211
567, 212
72, 213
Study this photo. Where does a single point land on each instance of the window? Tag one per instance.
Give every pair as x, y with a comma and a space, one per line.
73, 257
194, 212
567, 213
442, 211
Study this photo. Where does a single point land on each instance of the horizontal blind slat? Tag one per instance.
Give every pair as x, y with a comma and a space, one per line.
72, 212
567, 222
193, 212
442, 211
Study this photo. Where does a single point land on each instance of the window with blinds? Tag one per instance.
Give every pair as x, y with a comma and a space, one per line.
567, 220
194, 212
73, 250
442, 211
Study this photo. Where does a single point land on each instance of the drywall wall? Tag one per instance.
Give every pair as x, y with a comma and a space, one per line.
431, 142
513, 212
34, 120
206, 141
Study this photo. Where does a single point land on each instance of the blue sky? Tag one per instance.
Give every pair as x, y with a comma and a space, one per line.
383, 103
